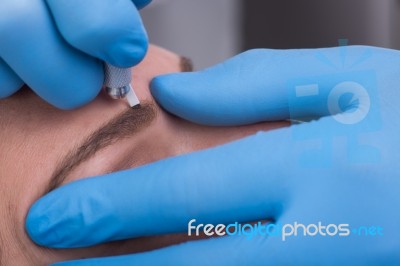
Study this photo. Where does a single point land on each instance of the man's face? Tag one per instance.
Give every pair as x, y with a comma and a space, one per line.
42, 148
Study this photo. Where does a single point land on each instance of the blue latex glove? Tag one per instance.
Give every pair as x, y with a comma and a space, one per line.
340, 169
54, 46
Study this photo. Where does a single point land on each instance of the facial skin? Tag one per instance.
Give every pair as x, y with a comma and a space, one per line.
36, 139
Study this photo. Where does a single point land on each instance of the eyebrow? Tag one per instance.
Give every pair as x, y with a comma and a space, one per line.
121, 127
186, 64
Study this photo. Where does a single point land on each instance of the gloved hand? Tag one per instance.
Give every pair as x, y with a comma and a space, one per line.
54, 46
340, 171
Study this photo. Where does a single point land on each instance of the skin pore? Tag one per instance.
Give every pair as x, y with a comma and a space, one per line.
42, 148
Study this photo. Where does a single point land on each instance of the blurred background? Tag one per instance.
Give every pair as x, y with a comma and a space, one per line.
210, 31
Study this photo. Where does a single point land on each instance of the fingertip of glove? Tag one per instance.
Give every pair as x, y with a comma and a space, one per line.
172, 93
127, 52
74, 96
184, 84
36, 225
42, 223
161, 87
70, 103
122, 45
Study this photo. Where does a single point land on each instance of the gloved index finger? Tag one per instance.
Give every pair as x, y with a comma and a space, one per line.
108, 30
242, 181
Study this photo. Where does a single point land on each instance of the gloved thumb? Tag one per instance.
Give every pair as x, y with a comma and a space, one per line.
258, 85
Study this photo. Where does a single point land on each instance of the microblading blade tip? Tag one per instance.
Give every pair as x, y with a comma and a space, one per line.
131, 97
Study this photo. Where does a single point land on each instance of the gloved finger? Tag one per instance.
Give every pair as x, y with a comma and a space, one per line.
244, 181
258, 85
58, 73
9, 81
109, 30
215, 251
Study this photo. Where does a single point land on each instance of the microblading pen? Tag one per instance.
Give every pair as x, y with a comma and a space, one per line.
117, 82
